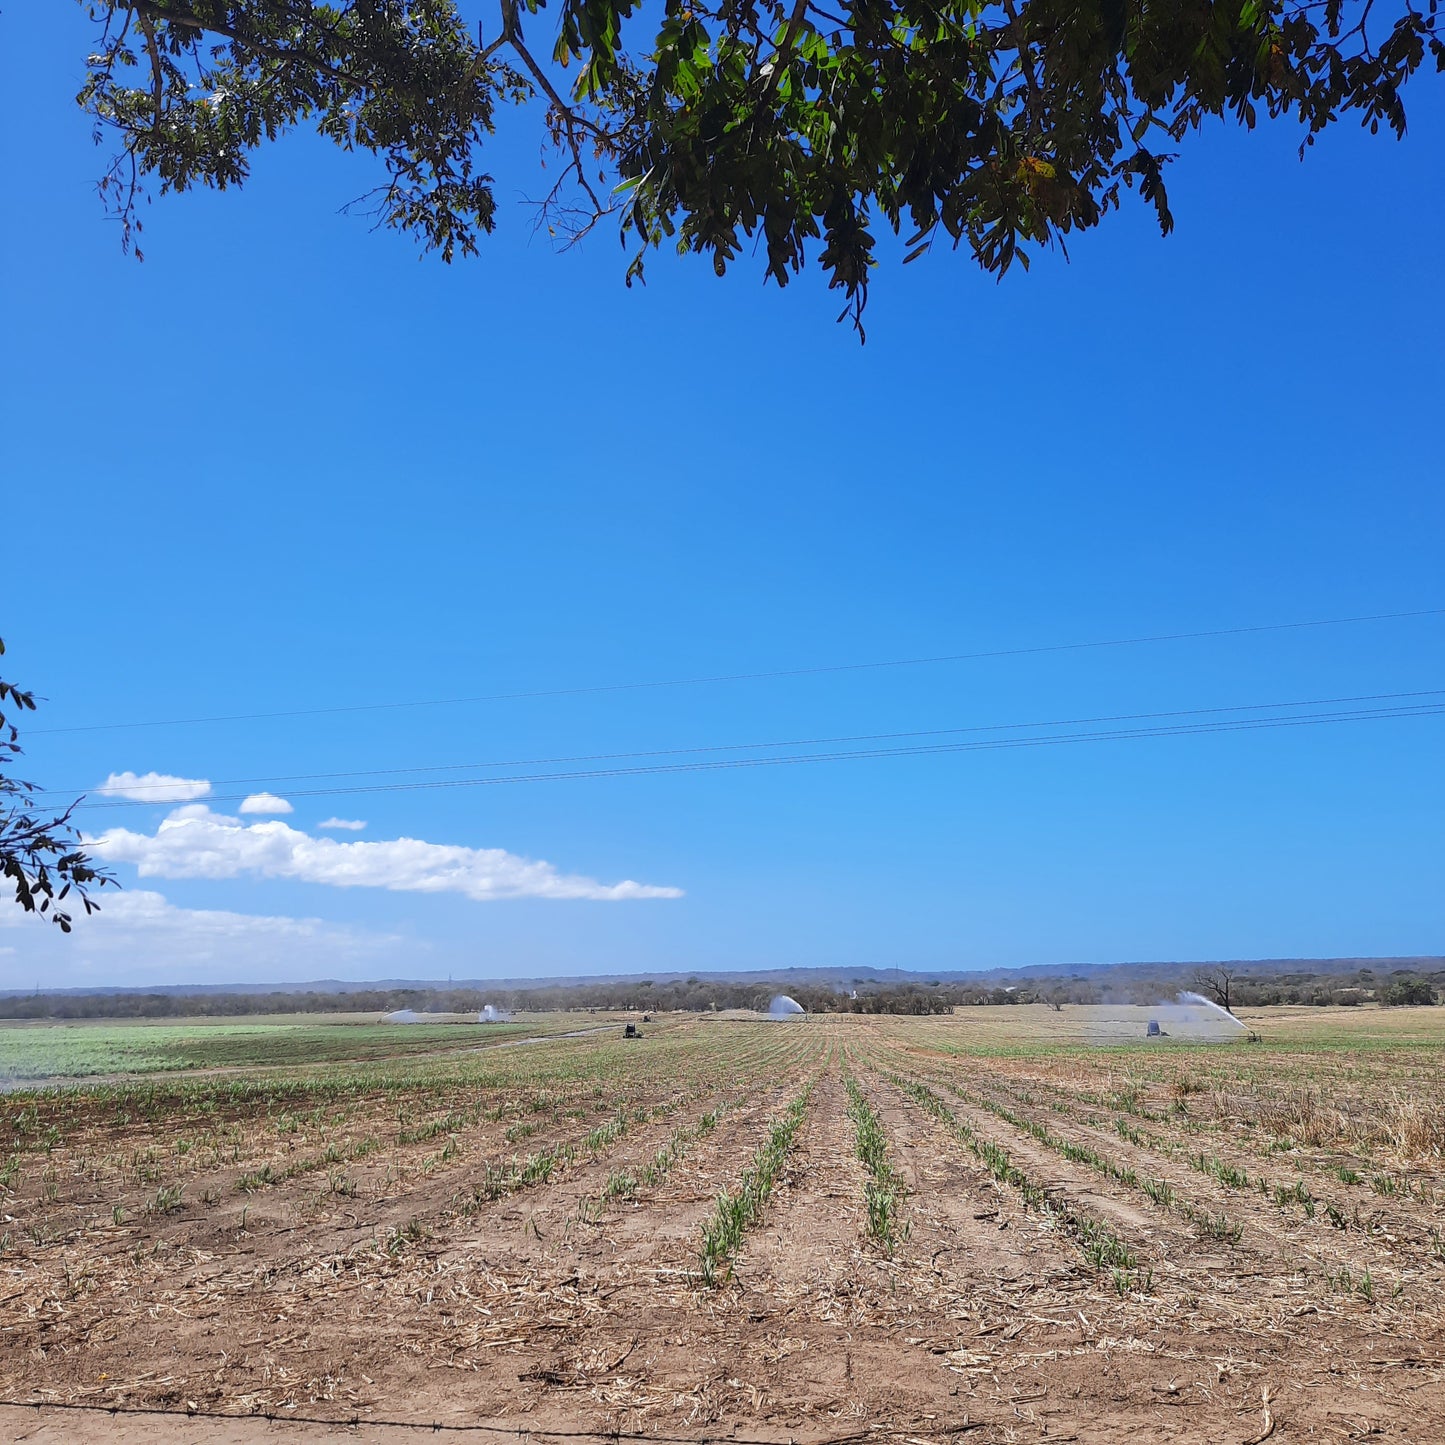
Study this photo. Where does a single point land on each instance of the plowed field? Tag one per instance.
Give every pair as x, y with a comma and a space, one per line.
983, 1227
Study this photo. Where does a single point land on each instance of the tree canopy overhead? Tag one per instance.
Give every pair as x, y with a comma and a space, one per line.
995, 126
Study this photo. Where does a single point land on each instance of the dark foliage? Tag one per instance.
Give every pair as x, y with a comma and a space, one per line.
803, 126
702, 995
1409, 991
40, 856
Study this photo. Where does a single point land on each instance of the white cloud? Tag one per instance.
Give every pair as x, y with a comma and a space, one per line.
194, 842
153, 788
140, 936
265, 803
140, 908
350, 825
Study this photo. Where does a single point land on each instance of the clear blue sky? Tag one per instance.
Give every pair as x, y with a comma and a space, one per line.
286, 464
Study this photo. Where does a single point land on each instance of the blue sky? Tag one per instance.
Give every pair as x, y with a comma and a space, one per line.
284, 464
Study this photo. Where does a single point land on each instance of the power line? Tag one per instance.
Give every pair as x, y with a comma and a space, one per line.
976, 745
810, 671
280, 779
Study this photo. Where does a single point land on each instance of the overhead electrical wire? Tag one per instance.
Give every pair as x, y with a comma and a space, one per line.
1398, 709
280, 779
760, 676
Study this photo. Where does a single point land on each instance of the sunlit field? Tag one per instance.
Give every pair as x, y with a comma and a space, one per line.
1011, 1223
35, 1053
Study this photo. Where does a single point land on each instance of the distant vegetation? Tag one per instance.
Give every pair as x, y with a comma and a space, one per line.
1246, 990
1251, 987
644, 997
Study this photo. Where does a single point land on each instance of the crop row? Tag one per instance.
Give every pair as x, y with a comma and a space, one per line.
626, 1183
1285, 1197
1282, 1118
500, 1179
1100, 1246
195, 1130
737, 1210
1159, 1191
883, 1190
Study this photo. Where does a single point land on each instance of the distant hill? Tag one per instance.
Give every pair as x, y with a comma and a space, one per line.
865, 990
822, 977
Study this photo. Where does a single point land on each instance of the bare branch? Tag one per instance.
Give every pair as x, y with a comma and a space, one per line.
157, 73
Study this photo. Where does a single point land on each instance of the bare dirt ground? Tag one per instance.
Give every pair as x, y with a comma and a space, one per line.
1176, 1243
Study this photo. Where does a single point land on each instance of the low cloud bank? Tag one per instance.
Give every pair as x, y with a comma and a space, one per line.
140, 937
195, 842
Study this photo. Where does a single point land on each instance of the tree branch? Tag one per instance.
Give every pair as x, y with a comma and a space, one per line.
569, 116
157, 73
1034, 110
150, 10
783, 54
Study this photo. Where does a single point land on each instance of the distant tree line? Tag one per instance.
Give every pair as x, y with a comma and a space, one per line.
1239, 990
640, 997
1398, 987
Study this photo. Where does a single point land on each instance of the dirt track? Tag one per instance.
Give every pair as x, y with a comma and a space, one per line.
395, 1283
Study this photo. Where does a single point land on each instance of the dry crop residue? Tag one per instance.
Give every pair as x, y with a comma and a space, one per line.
1183, 1244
